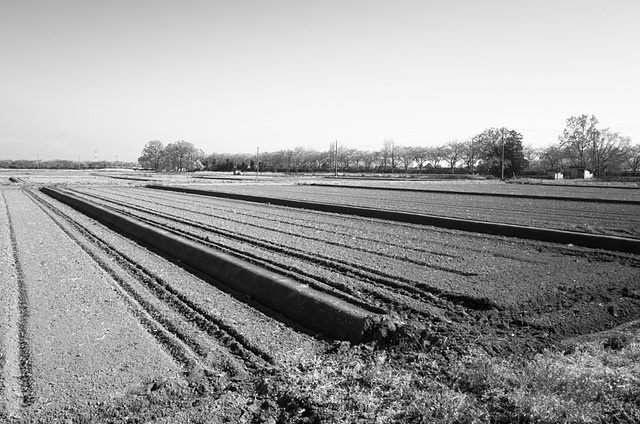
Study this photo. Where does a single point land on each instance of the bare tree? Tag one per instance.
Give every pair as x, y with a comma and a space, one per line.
452, 153
633, 158
405, 156
435, 155
608, 151
387, 154
578, 138
470, 155
420, 155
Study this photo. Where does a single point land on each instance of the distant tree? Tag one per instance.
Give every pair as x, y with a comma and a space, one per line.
633, 158
369, 159
492, 143
181, 156
609, 152
387, 154
420, 157
552, 158
152, 155
598, 150
532, 157
405, 156
452, 153
470, 155
577, 139
435, 154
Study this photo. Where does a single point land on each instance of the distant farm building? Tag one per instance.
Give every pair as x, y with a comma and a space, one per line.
554, 174
579, 172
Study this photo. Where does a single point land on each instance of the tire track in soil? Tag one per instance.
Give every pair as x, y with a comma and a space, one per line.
16, 364
170, 320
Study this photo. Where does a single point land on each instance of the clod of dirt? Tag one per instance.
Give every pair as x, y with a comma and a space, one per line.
148, 387
616, 342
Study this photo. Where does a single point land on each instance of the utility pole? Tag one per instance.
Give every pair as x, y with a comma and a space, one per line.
336, 160
393, 159
257, 160
502, 133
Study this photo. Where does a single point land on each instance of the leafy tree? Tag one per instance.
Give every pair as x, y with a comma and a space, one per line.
492, 143
181, 156
152, 155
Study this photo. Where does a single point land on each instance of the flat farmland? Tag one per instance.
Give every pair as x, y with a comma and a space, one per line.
101, 324
589, 210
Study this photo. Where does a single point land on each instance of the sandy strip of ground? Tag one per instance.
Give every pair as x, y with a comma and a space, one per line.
85, 344
11, 398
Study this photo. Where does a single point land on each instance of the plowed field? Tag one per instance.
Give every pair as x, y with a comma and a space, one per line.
584, 213
98, 326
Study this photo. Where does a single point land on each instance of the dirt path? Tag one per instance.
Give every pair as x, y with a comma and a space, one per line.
84, 344
11, 318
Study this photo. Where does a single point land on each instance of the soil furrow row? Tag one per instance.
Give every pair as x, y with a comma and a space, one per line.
276, 219
175, 315
322, 223
367, 276
473, 193
318, 282
565, 216
293, 238
372, 280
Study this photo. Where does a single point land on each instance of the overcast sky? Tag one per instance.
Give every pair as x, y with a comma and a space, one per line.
98, 79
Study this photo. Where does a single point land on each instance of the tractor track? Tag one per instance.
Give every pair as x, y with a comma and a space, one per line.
187, 332
16, 363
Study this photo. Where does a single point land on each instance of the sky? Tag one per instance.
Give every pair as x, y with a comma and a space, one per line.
86, 80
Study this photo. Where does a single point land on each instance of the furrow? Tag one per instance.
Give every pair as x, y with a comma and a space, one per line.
174, 333
372, 281
312, 309
266, 216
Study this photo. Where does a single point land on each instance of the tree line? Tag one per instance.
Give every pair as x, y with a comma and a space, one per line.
583, 144
62, 164
482, 154
495, 151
